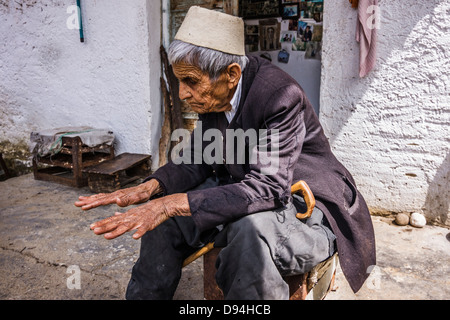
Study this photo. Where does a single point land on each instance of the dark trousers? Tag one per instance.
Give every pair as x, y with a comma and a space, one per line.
259, 249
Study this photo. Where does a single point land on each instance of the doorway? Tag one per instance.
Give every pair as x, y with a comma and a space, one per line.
294, 26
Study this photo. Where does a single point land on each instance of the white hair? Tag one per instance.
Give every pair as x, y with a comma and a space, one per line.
208, 60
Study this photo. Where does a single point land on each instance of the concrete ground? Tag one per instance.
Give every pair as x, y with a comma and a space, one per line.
48, 252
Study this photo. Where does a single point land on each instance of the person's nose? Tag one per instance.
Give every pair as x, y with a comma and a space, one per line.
184, 91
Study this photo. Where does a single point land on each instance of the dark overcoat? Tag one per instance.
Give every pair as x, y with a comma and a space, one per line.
291, 146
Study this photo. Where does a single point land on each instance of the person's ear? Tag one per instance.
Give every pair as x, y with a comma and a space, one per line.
234, 73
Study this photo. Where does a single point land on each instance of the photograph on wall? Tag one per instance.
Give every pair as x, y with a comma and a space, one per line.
254, 9
293, 24
290, 11
298, 45
317, 33
312, 9
313, 50
288, 37
269, 34
289, 25
305, 31
251, 38
284, 25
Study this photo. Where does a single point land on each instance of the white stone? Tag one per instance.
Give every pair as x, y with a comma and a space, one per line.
417, 220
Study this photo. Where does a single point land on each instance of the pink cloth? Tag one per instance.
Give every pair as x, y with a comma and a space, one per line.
366, 35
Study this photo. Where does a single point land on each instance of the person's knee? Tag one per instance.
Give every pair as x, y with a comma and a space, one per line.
250, 226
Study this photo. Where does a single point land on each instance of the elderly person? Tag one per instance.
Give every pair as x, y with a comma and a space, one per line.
245, 208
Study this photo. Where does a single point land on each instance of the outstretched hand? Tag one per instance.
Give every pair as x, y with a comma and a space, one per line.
143, 218
122, 198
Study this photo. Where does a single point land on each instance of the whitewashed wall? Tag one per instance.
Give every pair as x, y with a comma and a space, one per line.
50, 79
391, 128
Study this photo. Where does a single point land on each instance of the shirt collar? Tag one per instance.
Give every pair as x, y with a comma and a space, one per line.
234, 102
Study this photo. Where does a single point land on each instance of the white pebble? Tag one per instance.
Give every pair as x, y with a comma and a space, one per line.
417, 220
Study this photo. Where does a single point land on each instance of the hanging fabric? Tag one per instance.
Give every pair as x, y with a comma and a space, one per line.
366, 34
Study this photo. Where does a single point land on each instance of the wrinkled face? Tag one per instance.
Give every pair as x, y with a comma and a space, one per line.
201, 93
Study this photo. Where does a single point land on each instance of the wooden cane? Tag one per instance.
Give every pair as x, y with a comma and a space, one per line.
303, 188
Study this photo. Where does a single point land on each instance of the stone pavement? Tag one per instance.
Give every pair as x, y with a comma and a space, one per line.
48, 252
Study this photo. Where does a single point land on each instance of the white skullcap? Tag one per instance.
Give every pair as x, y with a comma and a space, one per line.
212, 29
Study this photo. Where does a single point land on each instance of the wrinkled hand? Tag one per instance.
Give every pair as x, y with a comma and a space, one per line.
122, 198
144, 217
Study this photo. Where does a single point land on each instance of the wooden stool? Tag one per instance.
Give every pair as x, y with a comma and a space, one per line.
113, 174
313, 285
66, 167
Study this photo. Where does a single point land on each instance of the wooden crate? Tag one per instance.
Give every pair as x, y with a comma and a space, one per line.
66, 167
113, 174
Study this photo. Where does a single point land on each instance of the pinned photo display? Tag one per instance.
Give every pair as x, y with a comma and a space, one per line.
298, 28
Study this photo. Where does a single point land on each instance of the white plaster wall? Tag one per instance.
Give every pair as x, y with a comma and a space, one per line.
50, 79
391, 128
